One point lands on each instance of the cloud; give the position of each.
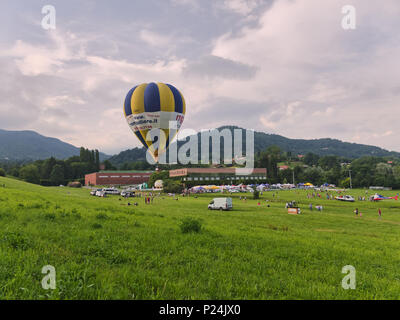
(302, 54)
(60, 90)
(33, 60)
(193, 4)
(62, 100)
(155, 39)
(213, 66)
(283, 66)
(242, 7)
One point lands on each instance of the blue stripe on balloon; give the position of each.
(167, 143)
(177, 98)
(140, 137)
(127, 104)
(152, 98)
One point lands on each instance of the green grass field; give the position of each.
(103, 249)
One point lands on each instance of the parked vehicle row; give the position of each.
(113, 191)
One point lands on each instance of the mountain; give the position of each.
(263, 140)
(30, 145)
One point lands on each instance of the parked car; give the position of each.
(111, 191)
(93, 192)
(127, 194)
(221, 204)
(101, 193)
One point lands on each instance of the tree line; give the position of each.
(54, 172)
(362, 172)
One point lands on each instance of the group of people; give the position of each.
(319, 208)
(148, 200)
(291, 204)
(313, 195)
(358, 213)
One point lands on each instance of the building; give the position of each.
(117, 178)
(192, 176)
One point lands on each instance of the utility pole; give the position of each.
(293, 176)
(351, 187)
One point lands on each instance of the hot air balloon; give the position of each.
(149, 108)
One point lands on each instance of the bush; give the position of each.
(190, 225)
(256, 194)
(2, 172)
(171, 186)
(15, 240)
(102, 216)
(158, 175)
(345, 183)
(50, 216)
(45, 182)
(75, 184)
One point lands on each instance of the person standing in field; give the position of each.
(380, 213)
(356, 212)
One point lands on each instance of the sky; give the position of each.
(278, 66)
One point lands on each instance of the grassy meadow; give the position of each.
(103, 249)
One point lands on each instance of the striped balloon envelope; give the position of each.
(155, 112)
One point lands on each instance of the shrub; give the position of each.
(136, 224)
(190, 225)
(171, 186)
(256, 194)
(15, 240)
(101, 216)
(50, 216)
(345, 183)
(2, 172)
(75, 184)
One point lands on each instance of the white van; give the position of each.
(100, 193)
(111, 191)
(220, 204)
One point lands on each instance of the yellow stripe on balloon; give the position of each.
(148, 142)
(167, 104)
(153, 151)
(137, 100)
(183, 103)
(167, 101)
(163, 144)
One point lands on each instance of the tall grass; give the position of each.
(105, 249)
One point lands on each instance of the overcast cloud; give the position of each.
(283, 66)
